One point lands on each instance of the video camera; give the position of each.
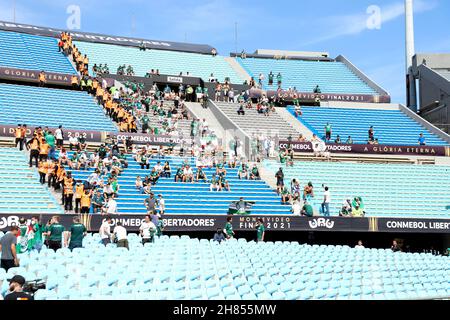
(33, 286)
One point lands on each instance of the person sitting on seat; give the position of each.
(243, 171)
(254, 174)
(188, 174)
(214, 183)
(240, 110)
(285, 196)
(307, 210)
(201, 175)
(346, 209)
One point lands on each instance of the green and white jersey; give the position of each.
(260, 232)
(229, 229)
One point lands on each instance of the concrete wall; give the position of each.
(434, 97)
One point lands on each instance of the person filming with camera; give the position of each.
(15, 290)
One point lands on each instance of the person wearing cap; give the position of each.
(16, 284)
(8, 248)
(98, 201)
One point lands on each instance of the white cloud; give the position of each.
(343, 25)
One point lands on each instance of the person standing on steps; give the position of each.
(34, 146)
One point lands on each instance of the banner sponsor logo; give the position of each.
(311, 97)
(33, 76)
(270, 222)
(368, 148)
(137, 138)
(175, 79)
(424, 225)
(321, 223)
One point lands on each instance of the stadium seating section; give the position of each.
(20, 190)
(25, 51)
(253, 122)
(168, 62)
(181, 268)
(36, 106)
(331, 77)
(394, 190)
(191, 198)
(391, 127)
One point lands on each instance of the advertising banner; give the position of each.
(371, 149)
(33, 76)
(90, 136)
(308, 97)
(108, 39)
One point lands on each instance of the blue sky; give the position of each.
(337, 27)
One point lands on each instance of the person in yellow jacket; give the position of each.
(42, 79)
(42, 168)
(18, 136)
(75, 82)
(79, 191)
(43, 150)
(51, 172)
(86, 201)
(68, 192)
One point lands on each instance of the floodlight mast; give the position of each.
(411, 92)
(410, 51)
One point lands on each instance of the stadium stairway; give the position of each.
(394, 190)
(20, 190)
(253, 122)
(168, 62)
(36, 106)
(332, 77)
(181, 268)
(391, 127)
(191, 198)
(25, 51)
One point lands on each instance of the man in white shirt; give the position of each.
(59, 137)
(296, 207)
(105, 231)
(326, 202)
(162, 204)
(147, 230)
(359, 245)
(120, 234)
(158, 167)
(188, 174)
(111, 206)
(73, 143)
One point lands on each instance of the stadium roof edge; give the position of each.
(108, 39)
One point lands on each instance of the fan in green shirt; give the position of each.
(76, 234)
(160, 227)
(307, 210)
(260, 230)
(38, 229)
(56, 231)
(282, 157)
(50, 139)
(228, 229)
